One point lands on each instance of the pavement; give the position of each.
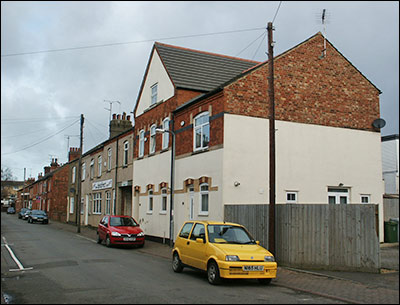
(347, 287)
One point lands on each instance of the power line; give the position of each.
(41, 141)
(277, 11)
(128, 42)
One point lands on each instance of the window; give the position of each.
(108, 203)
(154, 91)
(152, 139)
(73, 174)
(291, 197)
(91, 171)
(97, 203)
(165, 140)
(203, 199)
(83, 205)
(109, 154)
(150, 207)
(201, 131)
(338, 196)
(99, 160)
(186, 230)
(163, 201)
(71, 205)
(365, 199)
(198, 232)
(141, 143)
(126, 150)
(83, 171)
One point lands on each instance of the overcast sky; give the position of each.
(44, 93)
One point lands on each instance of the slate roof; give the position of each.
(197, 70)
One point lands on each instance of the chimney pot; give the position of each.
(128, 117)
(118, 116)
(114, 116)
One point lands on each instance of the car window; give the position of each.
(198, 232)
(186, 230)
(38, 212)
(228, 234)
(122, 222)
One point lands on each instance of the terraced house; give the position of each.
(327, 150)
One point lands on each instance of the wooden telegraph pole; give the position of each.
(79, 184)
(271, 95)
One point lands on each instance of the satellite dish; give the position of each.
(379, 123)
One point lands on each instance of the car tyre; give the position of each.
(99, 240)
(213, 273)
(108, 241)
(177, 265)
(265, 281)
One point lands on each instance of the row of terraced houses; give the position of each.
(327, 150)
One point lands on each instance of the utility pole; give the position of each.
(271, 95)
(23, 194)
(79, 184)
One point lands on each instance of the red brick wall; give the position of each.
(58, 195)
(328, 91)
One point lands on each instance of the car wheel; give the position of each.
(99, 240)
(176, 263)
(213, 273)
(265, 281)
(108, 241)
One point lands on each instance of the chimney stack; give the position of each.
(119, 124)
(73, 154)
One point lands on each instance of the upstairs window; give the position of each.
(154, 92)
(109, 155)
(99, 160)
(201, 131)
(141, 143)
(152, 139)
(165, 140)
(91, 169)
(83, 171)
(126, 150)
(73, 174)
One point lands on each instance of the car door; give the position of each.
(182, 240)
(103, 227)
(196, 251)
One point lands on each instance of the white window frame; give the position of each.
(83, 171)
(152, 144)
(164, 201)
(73, 174)
(91, 169)
(154, 94)
(108, 203)
(338, 193)
(367, 196)
(291, 193)
(201, 127)
(204, 193)
(97, 203)
(109, 158)
(141, 143)
(99, 161)
(150, 206)
(165, 140)
(126, 153)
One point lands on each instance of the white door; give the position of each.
(86, 210)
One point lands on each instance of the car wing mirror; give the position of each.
(200, 240)
(257, 242)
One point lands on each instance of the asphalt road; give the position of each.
(68, 268)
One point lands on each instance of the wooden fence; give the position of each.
(390, 208)
(316, 236)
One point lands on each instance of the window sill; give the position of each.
(203, 214)
(163, 212)
(149, 212)
(199, 151)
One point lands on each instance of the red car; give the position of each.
(120, 230)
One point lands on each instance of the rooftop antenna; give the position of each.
(324, 20)
(67, 136)
(110, 109)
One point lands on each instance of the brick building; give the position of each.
(326, 148)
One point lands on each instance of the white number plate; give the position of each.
(253, 268)
(130, 239)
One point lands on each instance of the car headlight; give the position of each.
(232, 258)
(33, 217)
(115, 234)
(140, 234)
(269, 259)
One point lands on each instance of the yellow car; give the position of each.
(224, 250)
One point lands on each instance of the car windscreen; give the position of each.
(38, 212)
(122, 222)
(228, 234)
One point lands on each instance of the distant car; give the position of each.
(120, 230)
(223, 250)
(38, 216)
(22, 213)
(11, 210)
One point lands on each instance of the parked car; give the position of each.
(120, 230)
(38, 216)
(11, 210)
(22, 213)
(224, 250)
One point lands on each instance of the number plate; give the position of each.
(253, 268)
(129, 238)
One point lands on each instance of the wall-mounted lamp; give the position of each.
(341, 184)
(236, 183)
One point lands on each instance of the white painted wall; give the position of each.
(156, 74)
(309, 159)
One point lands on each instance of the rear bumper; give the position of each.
(234, 270)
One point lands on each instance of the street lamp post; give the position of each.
(171, 219)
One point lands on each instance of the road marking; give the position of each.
(20, 266)
(89, 239)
